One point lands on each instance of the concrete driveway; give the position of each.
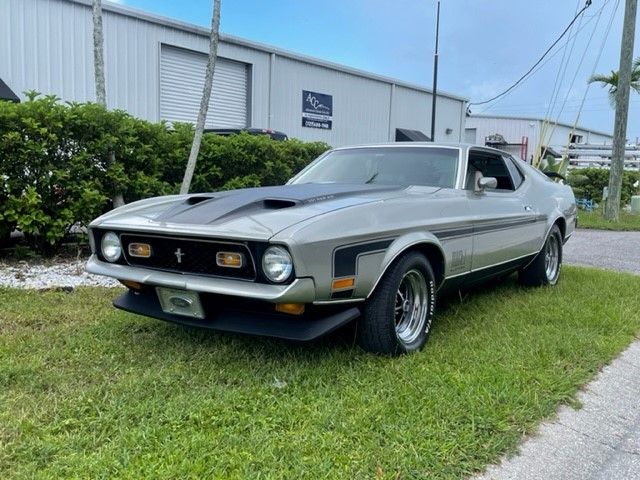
(601, 441)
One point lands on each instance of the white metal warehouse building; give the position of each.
(522, 134)
(155, 70)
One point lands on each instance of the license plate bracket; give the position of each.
(180, 302)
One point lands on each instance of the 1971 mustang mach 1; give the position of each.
(370, 234)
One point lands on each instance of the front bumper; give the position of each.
(301, 290)
(239, 319)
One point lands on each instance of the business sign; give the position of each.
(317, 110)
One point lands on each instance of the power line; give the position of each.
(587, 4)
(575, 76)
(550, 57)
(595, 66)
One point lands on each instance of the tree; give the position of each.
(98, 54)
(101, 91)
(206, 96)
(611, 80)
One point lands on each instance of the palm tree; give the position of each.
(206, 96)
(611, 81)
(101, 92)
(98, 53)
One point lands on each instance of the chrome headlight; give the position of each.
(277, 264)
(111, 247)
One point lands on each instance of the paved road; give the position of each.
(604, 249)
(600, 441)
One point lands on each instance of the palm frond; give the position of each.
(611, 79)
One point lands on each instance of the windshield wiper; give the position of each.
(373, 177)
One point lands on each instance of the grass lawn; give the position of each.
(87, 391)
(628, 221)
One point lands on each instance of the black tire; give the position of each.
(545, 268)
(383, 329)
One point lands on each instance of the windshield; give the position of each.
(428, 166)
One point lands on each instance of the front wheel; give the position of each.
(397, 317)
(545, 268)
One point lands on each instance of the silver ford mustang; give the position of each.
(371, 234)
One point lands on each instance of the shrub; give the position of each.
(46, 186)
(589, 183)
(61, 163)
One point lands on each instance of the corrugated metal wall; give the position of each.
(560, 136)
(46, 45)
(360, 106)
(513, 129)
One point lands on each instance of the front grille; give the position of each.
(188, 255)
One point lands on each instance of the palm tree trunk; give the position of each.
(206, 96)
(98, 53)
(101, 91)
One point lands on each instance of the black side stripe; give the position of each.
(462, 232)
(345, 258)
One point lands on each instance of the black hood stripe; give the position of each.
(211, 208)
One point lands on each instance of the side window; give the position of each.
(516, 174)
(487, 164)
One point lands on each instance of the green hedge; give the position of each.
(61, 163)
(589, 182)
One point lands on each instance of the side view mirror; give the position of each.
(486, 182)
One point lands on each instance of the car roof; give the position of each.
(465, 146)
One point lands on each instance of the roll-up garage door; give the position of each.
(182, 79)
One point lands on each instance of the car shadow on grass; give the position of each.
(455, 310)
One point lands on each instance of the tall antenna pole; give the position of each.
(435, 78)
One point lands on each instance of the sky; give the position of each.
(485, 46)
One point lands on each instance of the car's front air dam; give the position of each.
(276, 325)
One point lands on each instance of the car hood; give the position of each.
(253, 213)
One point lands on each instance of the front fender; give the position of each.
(400, 245)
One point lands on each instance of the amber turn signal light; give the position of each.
(140, 250)
(290, 308)
(131, 285)
(229, 259)
(341, 283)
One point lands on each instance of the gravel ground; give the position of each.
(64, 274)
(604, 249)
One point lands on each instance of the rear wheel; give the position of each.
(545, 268)
(397, 317)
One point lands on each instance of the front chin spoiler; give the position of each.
(282, 326)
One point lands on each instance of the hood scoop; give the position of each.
(197, 199)
(278, 203)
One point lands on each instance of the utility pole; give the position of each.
(435, 78)
(612, 205)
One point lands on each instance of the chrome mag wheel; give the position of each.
(411, 306)
(552, 258)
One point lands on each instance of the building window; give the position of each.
(575, 138)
